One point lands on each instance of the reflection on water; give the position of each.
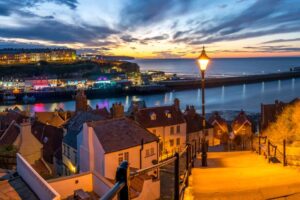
(246, 96)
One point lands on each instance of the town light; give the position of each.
(203, 60)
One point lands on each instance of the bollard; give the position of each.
(176, 178)
(122, 175)
(204, 154)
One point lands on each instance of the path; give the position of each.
(242, 175)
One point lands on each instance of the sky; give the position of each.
(155, 28)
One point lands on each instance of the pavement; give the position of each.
(242, 175)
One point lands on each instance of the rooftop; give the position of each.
(164, 116)
(121, 133)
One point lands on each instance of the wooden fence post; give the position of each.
(268, 156)
(284, 153)
(259, 148)
(176, 178)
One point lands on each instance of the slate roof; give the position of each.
(194, 123)
(54, 139)
(120, 133)
(10, 134)
(143, 116)
(74, 125)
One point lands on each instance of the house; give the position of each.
(51, 137)
(269, 112)
(194, 128)
(167, 123)
(220, 127)
(242, 130)
(73, 138)
(107, 143)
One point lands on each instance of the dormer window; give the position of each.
(168, 114)
(153, 116)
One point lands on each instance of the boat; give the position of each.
(9, 97)
(28, 99)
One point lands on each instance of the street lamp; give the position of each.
(202, 62)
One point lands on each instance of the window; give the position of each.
(120, 158)
(178, 141)
(68, 151)
(149, 152)
(171, 143)
(178, 129)
(172, 130)
(153, 116)
(168, 114)
(152, 151)
(64, 149)
(75, 157)
(126, 156)
(123, 157)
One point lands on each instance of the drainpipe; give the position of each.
(141, 150)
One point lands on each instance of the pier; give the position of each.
(223, 81)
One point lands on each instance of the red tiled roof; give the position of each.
(143, 116)
(121, 133)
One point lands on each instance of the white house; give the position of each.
(107, 143)
(167, 123)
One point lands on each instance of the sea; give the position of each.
(248, 97)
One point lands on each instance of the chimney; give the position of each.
(117, 110)
(80, 101)
(177, 104)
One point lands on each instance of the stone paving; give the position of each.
(242, 175)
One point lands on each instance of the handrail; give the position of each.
(113, 191)
(166, 162)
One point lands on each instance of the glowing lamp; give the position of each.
(203, 60)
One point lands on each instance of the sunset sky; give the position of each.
(155, 28)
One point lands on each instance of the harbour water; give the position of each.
(237, 97)
(247, 97)
(221, 66)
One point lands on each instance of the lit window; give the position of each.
(168, 114)
(153, 116)
(178, 141)
(120, 158)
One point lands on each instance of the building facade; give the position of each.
(26, 56)
(167, 123)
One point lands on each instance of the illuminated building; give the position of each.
(26, 56)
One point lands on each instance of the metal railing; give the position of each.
(121, 188)
(271, 151)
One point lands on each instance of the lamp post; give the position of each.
(202, 62)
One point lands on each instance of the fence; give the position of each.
(123, 176)
(270, 150)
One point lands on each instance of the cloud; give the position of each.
(281, 41)
(279, 48)
(52, 30)
(137, 12)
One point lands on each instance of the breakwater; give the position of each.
(224, 81)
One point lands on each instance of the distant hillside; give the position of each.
(83, 69)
